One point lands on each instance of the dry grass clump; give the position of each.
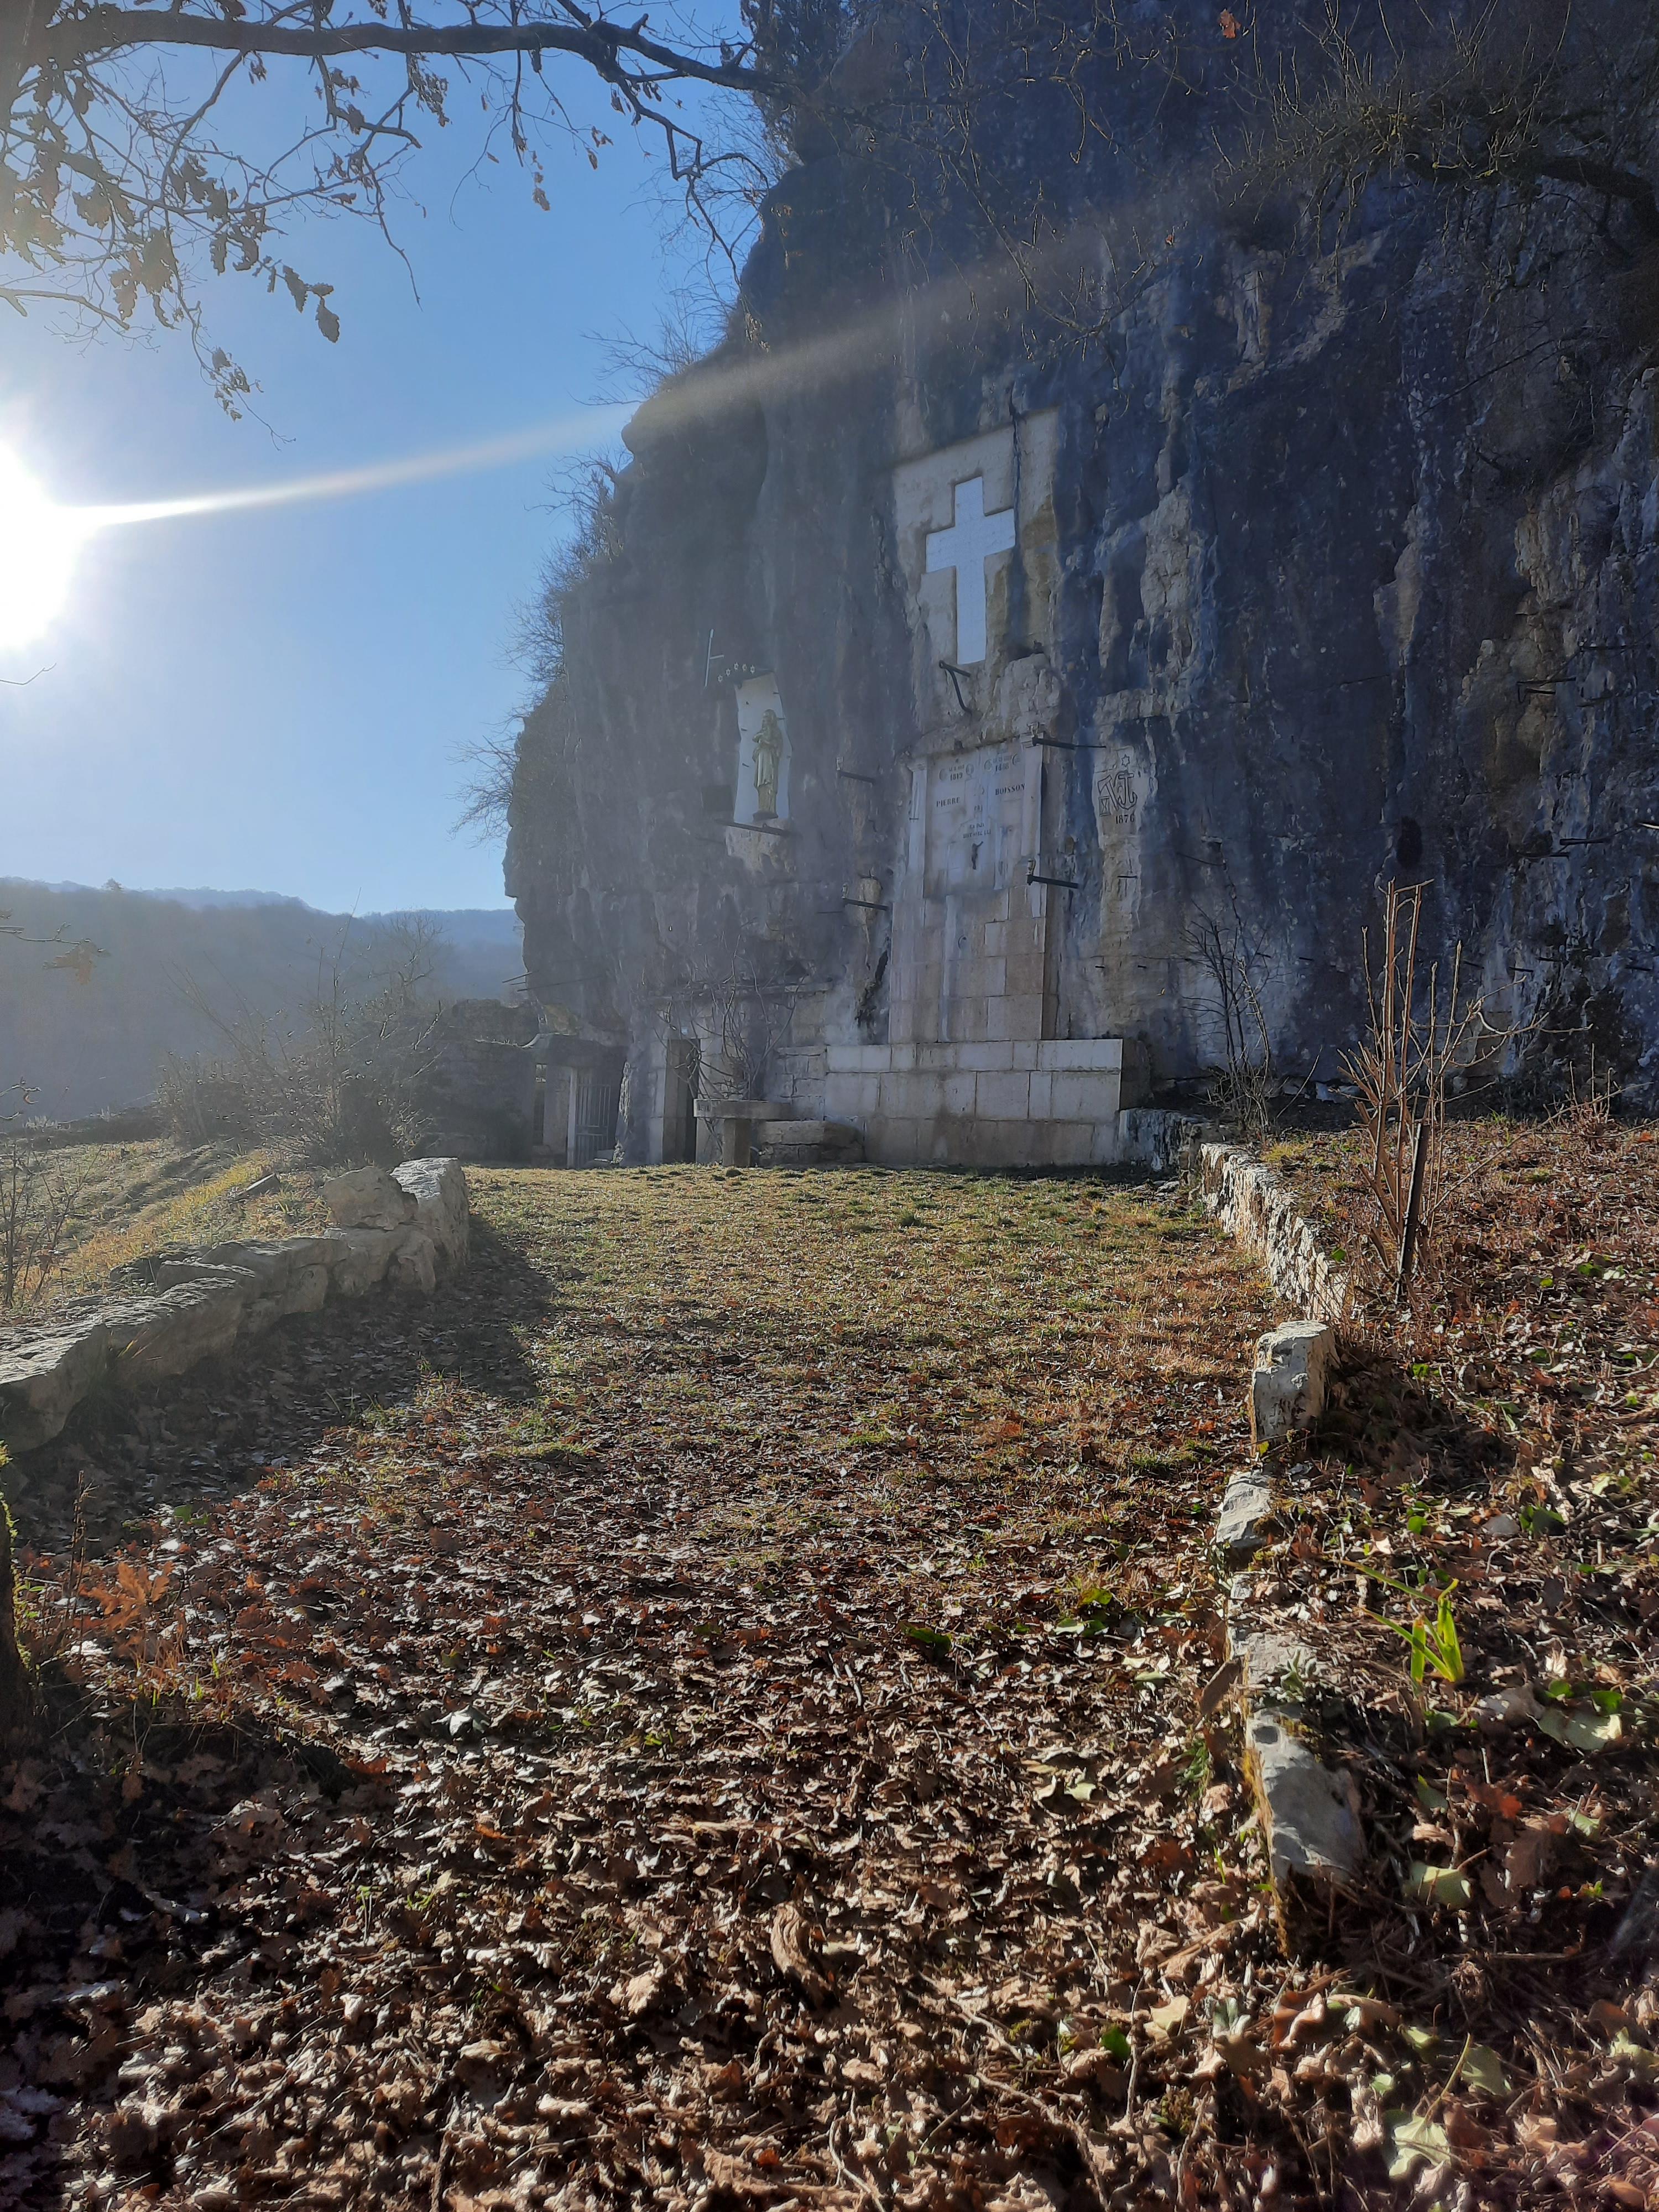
(131, 1199)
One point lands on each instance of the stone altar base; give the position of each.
(1056, 1103)
(809, 1144)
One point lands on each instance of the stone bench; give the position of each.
(810, 1144)
(737, 1118)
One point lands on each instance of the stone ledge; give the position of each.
(1309, 1812)
(160, 1316)
(1256, 1206)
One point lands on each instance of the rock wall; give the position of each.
(162, 1315)
(1347, 574)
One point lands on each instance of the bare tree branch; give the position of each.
(600, 44)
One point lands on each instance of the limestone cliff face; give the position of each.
(1344, 569)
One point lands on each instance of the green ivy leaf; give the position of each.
(1413, 2142)
(1442, 1886)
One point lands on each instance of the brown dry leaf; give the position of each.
(790, 1937)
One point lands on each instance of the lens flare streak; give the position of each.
(41, 541)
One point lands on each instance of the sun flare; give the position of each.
(39, 543)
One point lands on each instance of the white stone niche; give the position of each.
(963, 516)
(757, 698)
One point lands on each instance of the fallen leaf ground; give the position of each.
(722, 1707)
(754, 1756)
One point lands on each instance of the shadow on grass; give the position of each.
(147, 1911)
(1394, 1429)
(219, 1428)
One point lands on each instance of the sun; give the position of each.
(39, 543)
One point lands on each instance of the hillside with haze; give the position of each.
(85, 1035)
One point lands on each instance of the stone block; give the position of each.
(1270, 1661)
(1082, 1097)
(302, 1290)
(978, 1058)
(43, 1378)
(1080, 1055)
(442, 1209)
(1106, 1142)
(368, 1198)
(156, 1336)
(1246, 1517)
(892, 1137)
(361, 1257)
(1070, 1144)
(959, 1093)
(412, 1270)
(1041, 1098)
(1288, 1386)
(1003, 1097)
(810, 1144)
(1022, 1052)
(1309, 1821)
(1002, 1023)
(917, 1097)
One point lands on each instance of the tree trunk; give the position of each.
(16, 1693)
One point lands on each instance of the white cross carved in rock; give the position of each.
(972, 539)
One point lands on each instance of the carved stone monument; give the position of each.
(971, 1069)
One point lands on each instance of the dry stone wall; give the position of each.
(161, 1315)
(1256, 1206)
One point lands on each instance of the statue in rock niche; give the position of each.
(768, 759)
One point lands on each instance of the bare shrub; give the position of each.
(342, 1083)
(1422, 1030)
(40, 1204)
(1246, 1080)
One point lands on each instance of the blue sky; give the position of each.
(275, 699)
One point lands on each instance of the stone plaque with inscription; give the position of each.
(977, 819)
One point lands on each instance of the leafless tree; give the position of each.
(1247, 1082)
(140, 148)
(340, 1083)
(1422, 1030)
(1522, 96)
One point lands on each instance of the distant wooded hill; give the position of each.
(88, 1034)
